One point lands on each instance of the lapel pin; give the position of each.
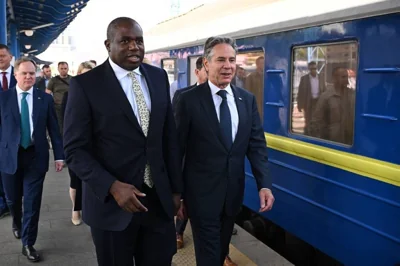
(39, 98)
(240, 98)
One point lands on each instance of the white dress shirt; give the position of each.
(126, 84)
(8, 75)
(29, 100)
(231, 104)
(314, 86)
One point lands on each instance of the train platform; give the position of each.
(61, 243)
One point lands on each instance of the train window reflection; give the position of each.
(170, 67)
(323, 91)
(250, 75)
(192, 67)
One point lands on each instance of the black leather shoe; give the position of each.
(31, 253)
(234, 231)
(16, 233)
(4, 213)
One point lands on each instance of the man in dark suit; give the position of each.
(201, 76)
(311, 86)
(218, 125)
(25, 114)
(120, 139)
(7, 80)
(42, 82)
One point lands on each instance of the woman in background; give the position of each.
(75, 190)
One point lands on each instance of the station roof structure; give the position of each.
(40, 22)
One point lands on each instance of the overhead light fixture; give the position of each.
(29, 33)
(43, 26)
(28, 46)
(76, 9)
(26, 54)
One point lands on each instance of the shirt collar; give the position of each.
(120, 73)
(215, 89)
(8, 70)
(20, 91)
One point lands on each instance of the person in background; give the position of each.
(57, 86)
(75, 190)
(42, 82)
(94, 63)
(7, 80)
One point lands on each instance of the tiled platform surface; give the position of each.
(62, 243)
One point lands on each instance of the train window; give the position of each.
(192, 67)
(170, 67)
(323, 91)
(250, 75)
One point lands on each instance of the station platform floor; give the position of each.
(61, 243)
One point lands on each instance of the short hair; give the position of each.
(3, 46)
(213, 41)
(199, 63)
(115, 24)
(45, 66)
(62, 63)
(82, 66)
(21, 60)
(312, 63)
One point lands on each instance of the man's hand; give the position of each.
(59, 166)
(266, 200)
(177, 202)
(182, 215)
(126, 197)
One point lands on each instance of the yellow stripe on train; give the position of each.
(361, 165)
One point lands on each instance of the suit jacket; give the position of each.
(104, 142)
(179, 92)
(213, 176)
(44, 117)
(41, 84)
(13, 81)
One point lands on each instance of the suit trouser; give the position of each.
(27, 182)
(180, 226)
(3, 202)
(211, 239)
(149, 239)
(76, 183)
(60, 118)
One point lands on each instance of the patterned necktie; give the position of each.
(25, 125)
(225, 121)
(144, 118)
(4, 82)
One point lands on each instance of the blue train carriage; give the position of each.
(333, 137)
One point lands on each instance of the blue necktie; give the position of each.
(225, 122)
(25, 126)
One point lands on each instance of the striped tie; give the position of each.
(144, 118)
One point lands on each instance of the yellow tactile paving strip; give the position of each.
(185, 256)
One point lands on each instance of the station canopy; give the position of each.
(40, 22)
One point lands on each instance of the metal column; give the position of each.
(14, 40)
(3, 21)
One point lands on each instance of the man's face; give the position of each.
(126, 49)
(5, 59)
(222, 65)
(47, 72)
(201, 75)
(25, 75)
(341, 78)
(313, 70)
(63, 70)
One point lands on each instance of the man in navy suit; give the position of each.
(218, 125)
(7, 80)
(120, 139)
(25, 114)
